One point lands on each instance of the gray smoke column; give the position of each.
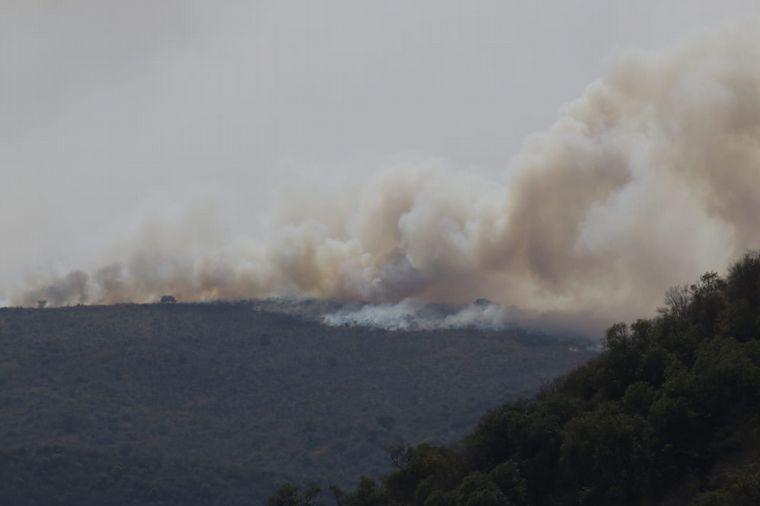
(651, 177)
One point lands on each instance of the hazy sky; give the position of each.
(111, 112)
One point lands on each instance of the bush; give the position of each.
(652, 419)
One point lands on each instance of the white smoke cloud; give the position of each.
(412, 314)
(648, 179)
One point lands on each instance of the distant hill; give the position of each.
(668, 414)
(220, 403)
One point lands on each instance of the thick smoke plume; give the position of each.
(651, 177)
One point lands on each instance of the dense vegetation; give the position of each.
(219, 403)
(668, 414)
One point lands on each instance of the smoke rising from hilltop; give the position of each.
(649, 178)
(410, 314)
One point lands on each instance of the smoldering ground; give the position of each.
(649, 178)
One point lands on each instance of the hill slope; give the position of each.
(217, 403)
(668, 414)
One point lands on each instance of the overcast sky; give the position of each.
(114, 111)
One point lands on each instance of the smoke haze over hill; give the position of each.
(658, 158)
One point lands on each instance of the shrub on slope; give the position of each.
(668, 414)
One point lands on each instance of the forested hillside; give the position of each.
(669, 413)
(219, 403)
